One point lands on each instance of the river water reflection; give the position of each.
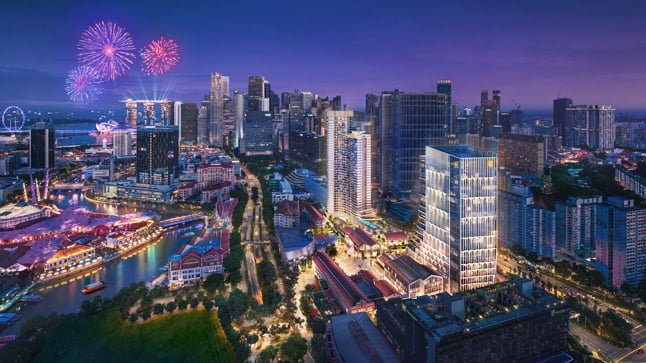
(66, 296)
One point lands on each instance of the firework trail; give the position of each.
(107, 48)
(159, 56)
(83, 85)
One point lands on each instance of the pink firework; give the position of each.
(83, 85)
(159, 56)
(107, 48)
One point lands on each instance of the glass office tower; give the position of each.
(157, 155)
(458, 239)
(408, 122)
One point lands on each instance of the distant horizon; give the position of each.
(532, 52)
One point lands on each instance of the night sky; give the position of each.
(591, 51)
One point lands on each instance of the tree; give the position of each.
(181, 305)
(208, 304)
(213, 283)
(293, 349)
(238, 303)
(133, 318)
(234, 278)
(145, 314)
(319, 349)
(171, 306)
(158, 309)
(194, 302)
(266, 355)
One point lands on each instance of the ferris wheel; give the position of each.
(13, 118)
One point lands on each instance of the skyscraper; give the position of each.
(157, 155)
(590, 126)
(188, 123)
(203, 122)
(372, 105)
(257, 138)
(408, 122)
(444, 87)
(559, 115)
(42, 146)
(122, 142)
(131, 113)
(219, 90)
(284, 100)
(258, 94)
(240, 103)
(349, 167)
(458, 236)
(575, 223)
(621, 240)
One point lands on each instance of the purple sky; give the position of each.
(591, 51)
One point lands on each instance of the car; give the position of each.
(640, 351)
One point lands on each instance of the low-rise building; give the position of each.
(287, 214)
(512, 321)
(361, 243)
(294, 245)
(395, 239)
(410, 277)
(314, 215)
(69, 256)
(347, 295)
(353, 338)
(195, 262)
(11, 215)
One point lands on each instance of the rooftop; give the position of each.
(358, 340)
(407, 269)
(482, 308)
(464, 151)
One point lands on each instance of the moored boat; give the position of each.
(92, 287)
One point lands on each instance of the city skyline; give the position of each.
(533, 52)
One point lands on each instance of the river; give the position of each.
(66, 296)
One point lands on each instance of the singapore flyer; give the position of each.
(13, 118)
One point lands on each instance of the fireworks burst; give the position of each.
(83, 85)
(107, 48)
(159, 56)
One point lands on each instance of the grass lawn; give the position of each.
(193, 336)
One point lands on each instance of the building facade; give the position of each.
(407, 123)
(257, 138)
(349, 167)
(523, 153)
(219, 90)
(575, 224)
(458, 239)
(122, 142)
(621, 240)
(157, 155)
(520, 323)
(42, 146)
(590, 126)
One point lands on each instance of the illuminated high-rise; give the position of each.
(458, 236)
(203, 122)
(42, 146)
(408, 122)
(131, 113)
(258, 94)
(122, 142)
(219, 90)
(157, 155)
(590, 126)
(240, 104)
(349, 167)
(186, 117)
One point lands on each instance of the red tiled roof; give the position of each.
(395, 236)
(386, 288)
(360, 237)
(345, 289)
(316, 214)
(288, 208)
